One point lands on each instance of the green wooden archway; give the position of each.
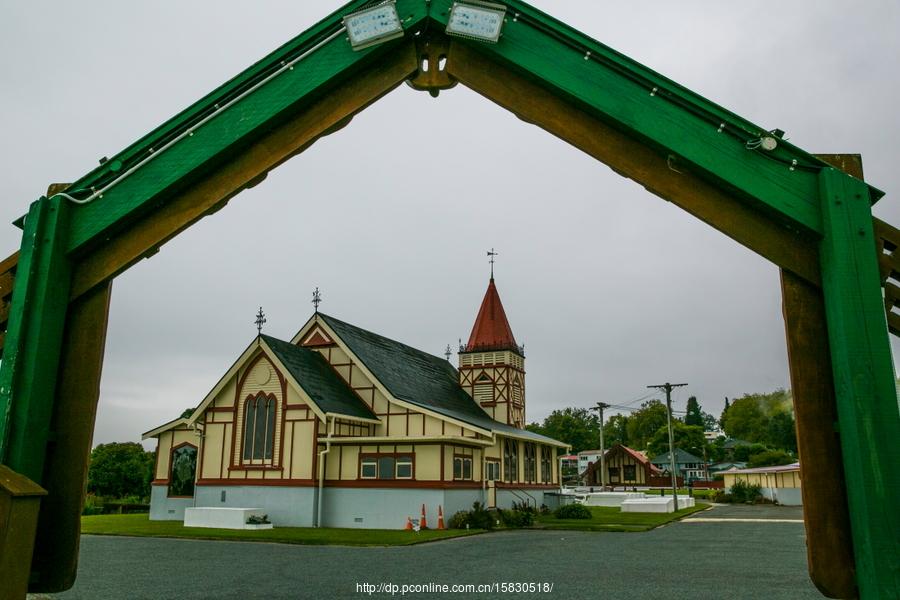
(811, 218)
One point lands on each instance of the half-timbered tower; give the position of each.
(492, 364)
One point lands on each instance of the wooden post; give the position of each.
(829, 547)
(20, 499)
(65, 473)
(865, 388)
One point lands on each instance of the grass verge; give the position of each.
(142, 526)
(612, 519)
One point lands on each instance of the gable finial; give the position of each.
(317, 299)
(260, 320)
(448, 352)
(491, 254)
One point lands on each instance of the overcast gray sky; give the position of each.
(610, 288)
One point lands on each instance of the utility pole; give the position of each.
(668, 387)
(600, 406)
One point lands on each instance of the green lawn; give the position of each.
(698, 493)
(612, 519)
(142, 526)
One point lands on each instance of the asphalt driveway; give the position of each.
(729, 558)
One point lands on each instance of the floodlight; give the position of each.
(476, 20)
(373, 25)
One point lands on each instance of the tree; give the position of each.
(744, 453)
(120, 469)
(187, 412)
(763, 418)
(694, 416)
(709, 422)
(644, 422)
(687, 437)
(578, 427)
(615, 431)
(770, 458)
(724, 412)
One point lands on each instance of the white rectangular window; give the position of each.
(492, 470)
(404, 467)
(369, 468)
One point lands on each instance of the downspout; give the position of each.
(202, 434)
(322, 454)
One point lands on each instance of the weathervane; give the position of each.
(492, 254)
(317, 299)
(260, 320)
(448, 352)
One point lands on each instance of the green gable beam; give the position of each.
(696, 134)
(328, 60)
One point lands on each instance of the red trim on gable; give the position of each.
(316, 339)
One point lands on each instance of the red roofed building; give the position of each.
(492, 364)
(624, 466)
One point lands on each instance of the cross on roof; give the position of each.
(317, 299)
(260, 320)
(492, 254)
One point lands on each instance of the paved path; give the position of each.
(712, 560)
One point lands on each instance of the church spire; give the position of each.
(491, 330)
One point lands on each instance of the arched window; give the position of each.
(183, 469)
(510, 460)
(530, 463)
(546, 464)
(259, 427)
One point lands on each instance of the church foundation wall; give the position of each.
(163, 508)
(285, 506)
(389, 508)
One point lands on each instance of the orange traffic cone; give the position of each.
(440, 517)
(422, 523)
(408, 524)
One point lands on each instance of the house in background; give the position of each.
(687, 466)
(624, 467)
(585, 458)
(779, 484)
(343, 427)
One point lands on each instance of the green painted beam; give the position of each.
(869, 420)
(232, 128)
(684, 126)
(34, 338)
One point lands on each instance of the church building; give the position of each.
(343, 427)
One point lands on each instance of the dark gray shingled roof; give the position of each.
(319, 380)
(419, 378)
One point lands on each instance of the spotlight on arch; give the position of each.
(373, 25)
(476, 20)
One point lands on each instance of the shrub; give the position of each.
(573, 511)
(721, 496)
(92, 505)
(742, 491)
(477, 518)
(517, 518)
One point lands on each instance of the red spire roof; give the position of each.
(491, 330)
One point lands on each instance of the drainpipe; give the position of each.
(201, 433)
(322, 454)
